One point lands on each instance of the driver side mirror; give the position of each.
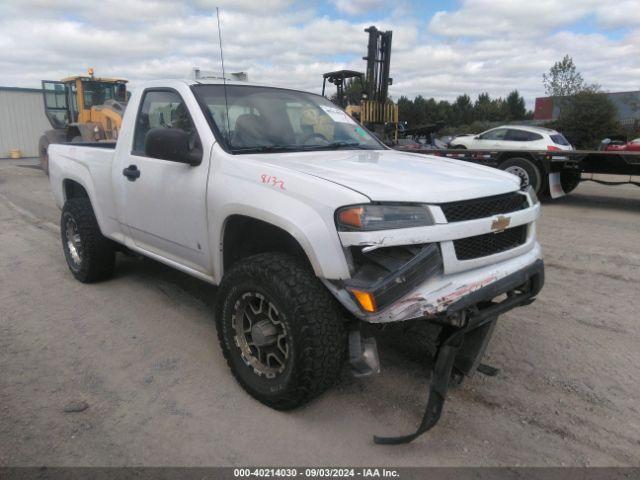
(171, 144)
(477, 137)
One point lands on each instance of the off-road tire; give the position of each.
(314, 324)
(98, 253)
(43, 144)
(532, 172)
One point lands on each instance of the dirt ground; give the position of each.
(141, 351)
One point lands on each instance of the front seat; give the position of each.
(251, 131)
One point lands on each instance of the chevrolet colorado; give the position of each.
(310, 226)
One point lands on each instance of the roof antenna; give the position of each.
(224, 78)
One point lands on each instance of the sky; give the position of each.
(440, 48)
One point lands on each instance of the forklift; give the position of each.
(82, 109)
(374, 109)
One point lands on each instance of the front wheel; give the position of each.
(527, 171)
(280, 330)
(90, 256)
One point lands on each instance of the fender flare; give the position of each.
(285, 224)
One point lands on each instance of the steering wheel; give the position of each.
(311, 136)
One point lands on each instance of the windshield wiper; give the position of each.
(265, 148)
(337, 146)
(301, 148)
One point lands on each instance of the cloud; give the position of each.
(358, 7)
(477, 45)
(490, 18)
(245, 5)
(625, 14)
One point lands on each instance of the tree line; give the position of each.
(463, 111)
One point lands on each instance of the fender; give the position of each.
(303, 205)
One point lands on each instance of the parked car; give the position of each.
(632, 146)
(310, 226)
(511, 137)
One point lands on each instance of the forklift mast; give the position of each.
(374, 109)
(378, 62)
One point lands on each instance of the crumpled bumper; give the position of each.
(444, 296)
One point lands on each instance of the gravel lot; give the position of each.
(141, 351)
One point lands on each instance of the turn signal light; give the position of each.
(366, 300)
(351, 216)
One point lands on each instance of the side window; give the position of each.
(522, 136)
(163, 109)
(497, 134)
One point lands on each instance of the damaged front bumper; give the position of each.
(461, 275)
(442, 296)
(462, 346)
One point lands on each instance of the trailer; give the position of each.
(553, 173)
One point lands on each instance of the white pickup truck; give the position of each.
(310, 226)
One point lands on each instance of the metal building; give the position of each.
(627, 106)
(22, 120)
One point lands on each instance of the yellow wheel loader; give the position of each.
(82, 109)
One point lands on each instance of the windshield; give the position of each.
(96, 93)
(265, 119)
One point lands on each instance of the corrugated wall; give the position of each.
(22, 121)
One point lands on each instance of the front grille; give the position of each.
(490, 243)
(484, 207)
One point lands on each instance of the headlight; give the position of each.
(532, 194)
(370, 217)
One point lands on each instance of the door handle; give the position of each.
(131, 172)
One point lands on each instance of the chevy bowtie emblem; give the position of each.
(500, 223)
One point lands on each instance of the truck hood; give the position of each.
(389, 175)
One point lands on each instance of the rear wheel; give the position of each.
(526, 170)
(90, 256)
(43, 145)
(280, 330)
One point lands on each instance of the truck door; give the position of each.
(164, 199)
